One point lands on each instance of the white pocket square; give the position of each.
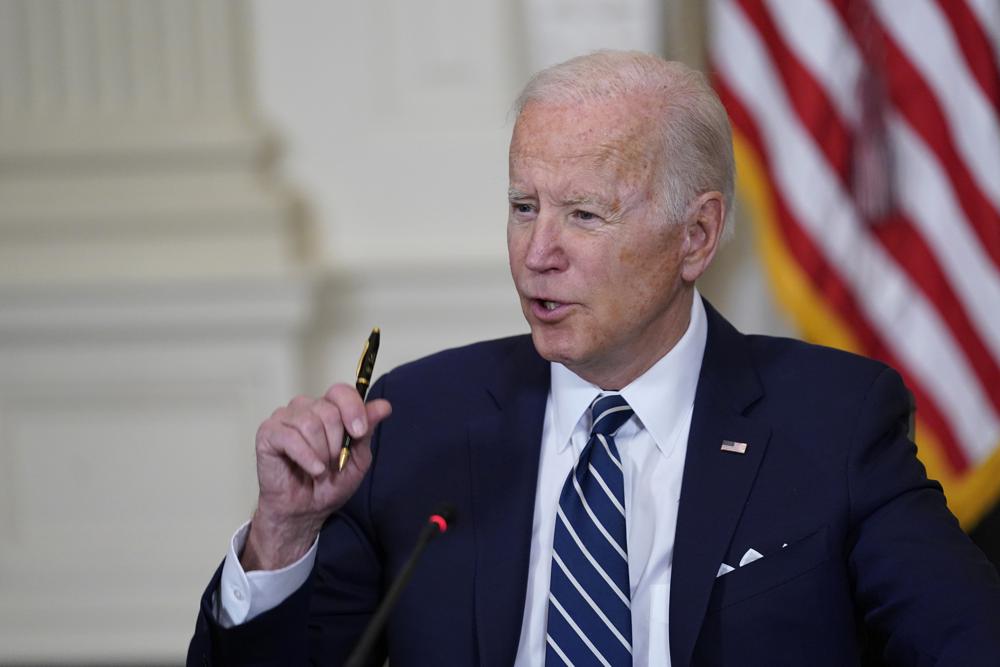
(750, 556)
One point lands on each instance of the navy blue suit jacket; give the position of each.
(875, 565)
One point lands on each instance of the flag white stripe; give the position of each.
(809, 186)
(926, 197)
(579, 632)
(883, 291)
(597, 566)
(830, 54)
(826, 49)
(611, 496)
(559, 651)
(597, 522)
(590, 601)
(929, 44)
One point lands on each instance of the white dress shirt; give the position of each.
(652, 445)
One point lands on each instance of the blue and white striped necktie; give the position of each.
(590, 619)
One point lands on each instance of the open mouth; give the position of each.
(548, 310)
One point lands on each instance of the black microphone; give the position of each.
(437, 524)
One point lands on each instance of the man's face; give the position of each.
(597, 265)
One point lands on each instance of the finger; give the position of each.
(377, 409)
(300, 402)
(333, 424)
(287, 441)
(361, 456)
(351, 407)
(310, 426)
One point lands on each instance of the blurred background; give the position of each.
(206, 205)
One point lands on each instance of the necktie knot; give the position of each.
(608, 413)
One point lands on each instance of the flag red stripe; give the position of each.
(909, 249)
(980, 54)
(829, 284)
(901, 239)
(809, 99)
(916, 101)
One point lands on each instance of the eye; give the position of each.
(522, 210)
(585, 216)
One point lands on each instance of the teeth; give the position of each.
(549, 305)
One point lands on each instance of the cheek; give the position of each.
(515, 247)
(635, 277)
(626, 257)
(643, 275)
(614, 279)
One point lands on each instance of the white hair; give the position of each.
(694, 126)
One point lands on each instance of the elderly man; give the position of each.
(637, 483)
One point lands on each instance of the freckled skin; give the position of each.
(588, 234)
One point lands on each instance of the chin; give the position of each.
(553, 346)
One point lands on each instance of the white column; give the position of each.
(128, 144)
(152, 307)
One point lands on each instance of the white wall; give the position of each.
(394, 119)
(159, 294)
(394, 122)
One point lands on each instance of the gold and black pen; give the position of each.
(365, 367)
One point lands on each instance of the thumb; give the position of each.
(361, 454)
(377, 410)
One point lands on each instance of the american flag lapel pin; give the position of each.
(734, 447)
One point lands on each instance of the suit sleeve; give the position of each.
(927, 593)
(321, 622)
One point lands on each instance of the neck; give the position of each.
(618, 373)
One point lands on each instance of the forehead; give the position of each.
(617, 137)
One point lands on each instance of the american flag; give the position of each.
(867, 138)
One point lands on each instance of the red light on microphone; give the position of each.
(440, 521)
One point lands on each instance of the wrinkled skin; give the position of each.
(298, 448)
(587, 233)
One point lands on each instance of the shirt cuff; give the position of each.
(244, 596)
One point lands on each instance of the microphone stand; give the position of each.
(436, 525)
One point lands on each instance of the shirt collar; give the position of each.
(660, 397)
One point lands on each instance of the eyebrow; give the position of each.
(586, 200)
(514, 194)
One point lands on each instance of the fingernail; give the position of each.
(318, 469)
(358, 426)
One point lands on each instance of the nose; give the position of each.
(545, 245)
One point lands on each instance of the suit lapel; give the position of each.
(716, 483)
(504, 448)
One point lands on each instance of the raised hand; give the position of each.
(298, 447)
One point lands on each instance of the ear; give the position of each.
(703, 230)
